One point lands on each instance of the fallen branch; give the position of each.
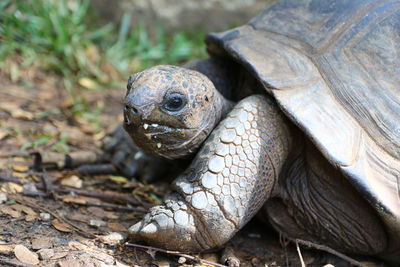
(329, 250)
(177, 253)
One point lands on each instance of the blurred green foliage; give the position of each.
(59, 36)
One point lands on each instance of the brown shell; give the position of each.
(334, 68)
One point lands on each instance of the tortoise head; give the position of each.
(169, 110)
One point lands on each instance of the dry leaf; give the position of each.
(61, 226)
(88, 83)
(9, 211)
(25, 255)
(12, 188)
(119, 179)
(72, 199)
(25, 209)
(77, 246)
(16, 111)
(20, 168)
(59, 255)
(72, 181)
(97, 211)
(6, 248)
(31, 218)
(3, 133)
(70, 263)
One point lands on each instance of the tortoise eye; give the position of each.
(174, 102)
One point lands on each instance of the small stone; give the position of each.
(3, 197)
(45, 253)
(30, 187)
(45, 216)
(97, 223)
(181, 260)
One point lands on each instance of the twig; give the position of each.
(329, 250)
(102, 205)
(177, 253)
(300, 256)
(104, 196)
(8, 262)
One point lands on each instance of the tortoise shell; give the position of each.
(334, 69)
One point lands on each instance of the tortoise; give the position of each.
(295, 115)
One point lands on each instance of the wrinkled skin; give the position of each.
(175, 119)
(255, 159)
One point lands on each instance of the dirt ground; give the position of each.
(58, 217)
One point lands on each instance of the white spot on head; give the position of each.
(145, 126)
(158, 145)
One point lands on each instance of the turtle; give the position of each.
(294, 116)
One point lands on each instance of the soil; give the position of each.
(58, 217)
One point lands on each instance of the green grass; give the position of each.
(59, 36)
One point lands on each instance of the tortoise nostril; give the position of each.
(134, 110)
(130, 109)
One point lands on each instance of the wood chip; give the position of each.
(61, 226)
(24, 255)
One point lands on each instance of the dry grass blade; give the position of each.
(300, 256)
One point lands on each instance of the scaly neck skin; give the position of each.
(229, 180)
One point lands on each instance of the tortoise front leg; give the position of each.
(231, 177)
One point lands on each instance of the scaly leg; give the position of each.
(232, 176)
